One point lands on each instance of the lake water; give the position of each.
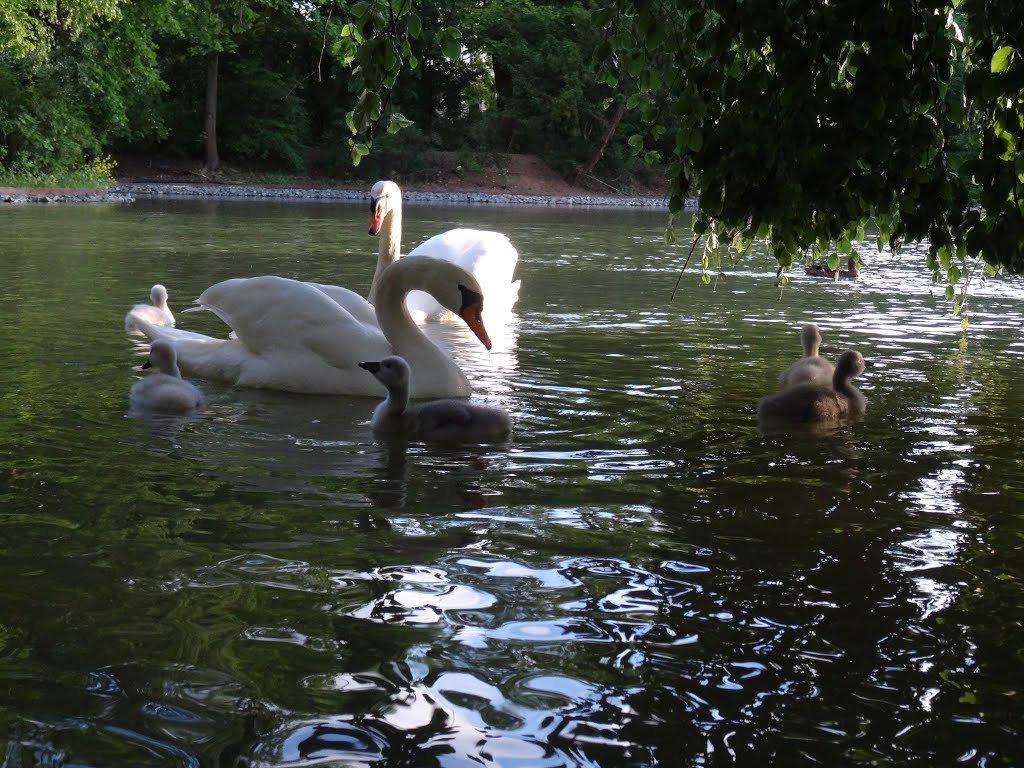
(639, 577)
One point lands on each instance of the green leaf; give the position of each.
(358, 152)
(415, 25)
(450, 45)
(1001, 59)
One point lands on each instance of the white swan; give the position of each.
(815, 403)
(166, 390)
(443, 420)
(158, 313)
(488, 256)
(290, 335)
(809, 369)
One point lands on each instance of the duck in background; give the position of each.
(435, 420)
(852, 271)
(817, 403)
(811, 368)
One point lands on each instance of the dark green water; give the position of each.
(639, 578)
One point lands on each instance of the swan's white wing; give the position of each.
(489, 256)
(270, 312)
(478, 251)
(356, 305)
(289, 335)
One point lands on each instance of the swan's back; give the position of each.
(810, 369)
(458, 421)
(160, 392)
(489, 256)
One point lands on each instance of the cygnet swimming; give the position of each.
(813, 403)
(156, 314)
(809, 369)
(438, 420)
(166, 390)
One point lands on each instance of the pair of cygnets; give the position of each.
(812, 390)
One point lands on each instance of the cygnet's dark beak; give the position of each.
(146, 364)
(869, 363)
(371, 367)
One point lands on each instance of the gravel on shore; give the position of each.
(127, 193)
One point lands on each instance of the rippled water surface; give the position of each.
(639, 577)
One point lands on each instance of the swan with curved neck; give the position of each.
(291, 336)
(816, 403)
(488, 256)
(811, 368)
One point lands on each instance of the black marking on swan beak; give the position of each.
(469, 298)
(371, 367)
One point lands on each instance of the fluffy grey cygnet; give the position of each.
(440, 420)
(157, 313)
(813, 403)
(809, 369)
(166, 390)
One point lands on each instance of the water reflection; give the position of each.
(639, 577)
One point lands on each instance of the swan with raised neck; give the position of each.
(489, 256)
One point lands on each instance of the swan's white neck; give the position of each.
(389, 249)
(427, 361)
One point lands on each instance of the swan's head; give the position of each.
(392, 371)
(385, 196)
(158, 295)
(162, 356)
(454, 288)
(850, 365)
(810, 337)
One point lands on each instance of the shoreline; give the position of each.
(128, 192)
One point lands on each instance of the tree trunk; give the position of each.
(212, 156)
(506, 124)
(613, 124)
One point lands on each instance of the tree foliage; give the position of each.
(798, 124)
(801, 125)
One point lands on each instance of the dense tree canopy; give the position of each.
(798, 124)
